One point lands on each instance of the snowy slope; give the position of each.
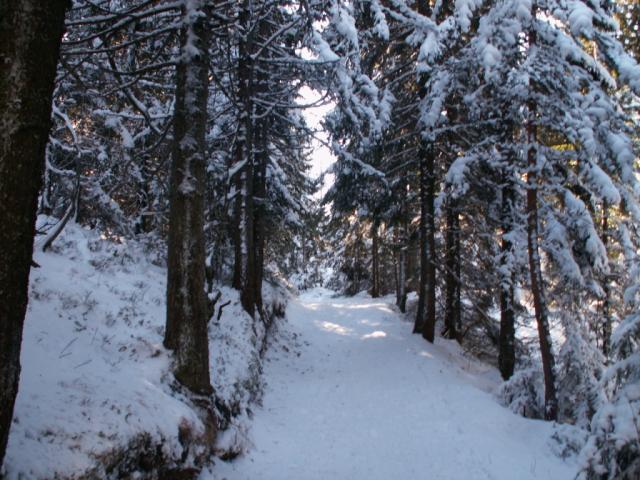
(363, 398)
(96, 389)
(94, 372)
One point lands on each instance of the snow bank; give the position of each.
(97, 398)
(237, 344)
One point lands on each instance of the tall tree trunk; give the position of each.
(606, 302)
(401, 270)
(535, 270)
(30, 34)
(452, 314)
(356, 267)
(506, 355)
(452, 268)
(375, 260)
(261, 159)
(426, 315)
(260, 211)
(425, 152)
(186, 330)
(244, 278)
(428, 332)
(246, 245)
(458, 297)
(422, 246)
(241, 157)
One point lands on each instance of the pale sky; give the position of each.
(321, 157)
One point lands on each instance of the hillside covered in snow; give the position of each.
(97, 398)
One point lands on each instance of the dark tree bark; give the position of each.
(426, 315)
(452, 273)
(422, 247)
(428, 331)
(458, 295)
(243, 223)
(401, 269)
(375, 260)
(186, 329)
(606, 301)
(30, 34)
(537, 285)
(260, 212)
(506, 355)
(356, 266)
(452, 288)
(260, 161)
(244, 277)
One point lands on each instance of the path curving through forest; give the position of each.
(363, 398)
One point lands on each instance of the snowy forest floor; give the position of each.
(97, 399)
(361, 397)
(350, 393)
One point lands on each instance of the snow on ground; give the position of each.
(93, 365)
(363, 398)
(95, 376)
(351, 394)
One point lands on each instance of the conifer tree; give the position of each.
(187, 318)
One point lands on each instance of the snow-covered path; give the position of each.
(366, 399)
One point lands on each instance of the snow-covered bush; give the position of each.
(568, 440)
(613, 448)
(579, 368)
(612, 451)
(523, 393)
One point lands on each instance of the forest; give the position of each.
(172, 264)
